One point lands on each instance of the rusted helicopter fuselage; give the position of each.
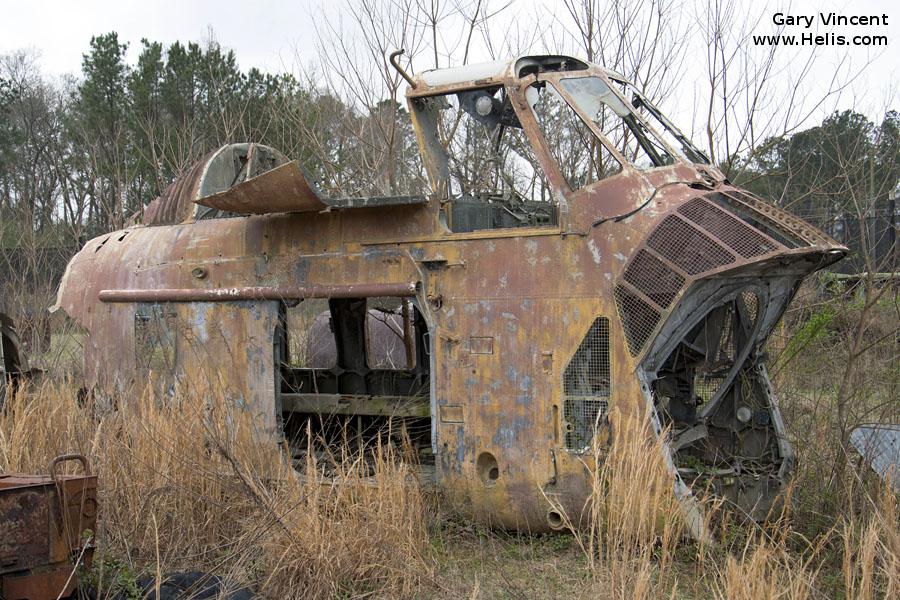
(588, 262)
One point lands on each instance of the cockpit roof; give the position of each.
(496, 71)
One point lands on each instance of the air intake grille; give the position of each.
(742, 239)
(586, 387)
(653, 278)
(760, 216)
(751, 305)
(639, 319)
(687, 247)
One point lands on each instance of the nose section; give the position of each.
(697, 301)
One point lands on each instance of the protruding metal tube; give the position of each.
(362, 290)
(401, 70)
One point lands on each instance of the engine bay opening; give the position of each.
(713, 395)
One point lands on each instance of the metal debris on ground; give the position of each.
(879, 445)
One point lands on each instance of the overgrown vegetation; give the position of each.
(185, 483)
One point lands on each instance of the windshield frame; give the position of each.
(555, 80)
(676, 133)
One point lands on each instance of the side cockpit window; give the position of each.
(155, 338)
(489, 172)
(661, 125)
(617, 122)
(581, 156)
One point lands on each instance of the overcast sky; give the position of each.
(263, 33)
(271, 34)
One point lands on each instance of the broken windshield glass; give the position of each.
(617, 122)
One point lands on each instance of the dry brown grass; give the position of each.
(635, 545)
(187, 484)
(635, 523)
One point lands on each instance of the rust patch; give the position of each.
(45, 520)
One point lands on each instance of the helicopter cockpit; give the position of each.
(505, 154)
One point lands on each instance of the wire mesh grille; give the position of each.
(726, 342)
(639, 319)
(586, 387)
(706, 386)
(795, 225)
(687, 247)
(741, 238)
(751, 305)
(753, 214)
(653, 278)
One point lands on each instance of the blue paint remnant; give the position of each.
(261, 267)
(300, 270)
(460, 446)
(505, 437)
(525, 384)
(485, 399)
(471, 382)
(509, 431)
(370, 252)
(199, 321)
(511, 373)
(523, 399)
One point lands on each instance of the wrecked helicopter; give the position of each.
(576, 257)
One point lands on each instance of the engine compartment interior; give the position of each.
(713, 394)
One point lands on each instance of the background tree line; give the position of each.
(81, 158)
(78, 157)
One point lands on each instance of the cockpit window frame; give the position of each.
(515, 87)
(555, 80)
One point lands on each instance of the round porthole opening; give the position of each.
(555, 520)
(488, 469)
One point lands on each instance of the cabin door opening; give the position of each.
(354, 372)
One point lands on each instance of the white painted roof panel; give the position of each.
(455, 75)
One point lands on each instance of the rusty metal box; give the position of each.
(46, 528)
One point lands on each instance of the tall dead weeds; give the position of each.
(186, 482)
